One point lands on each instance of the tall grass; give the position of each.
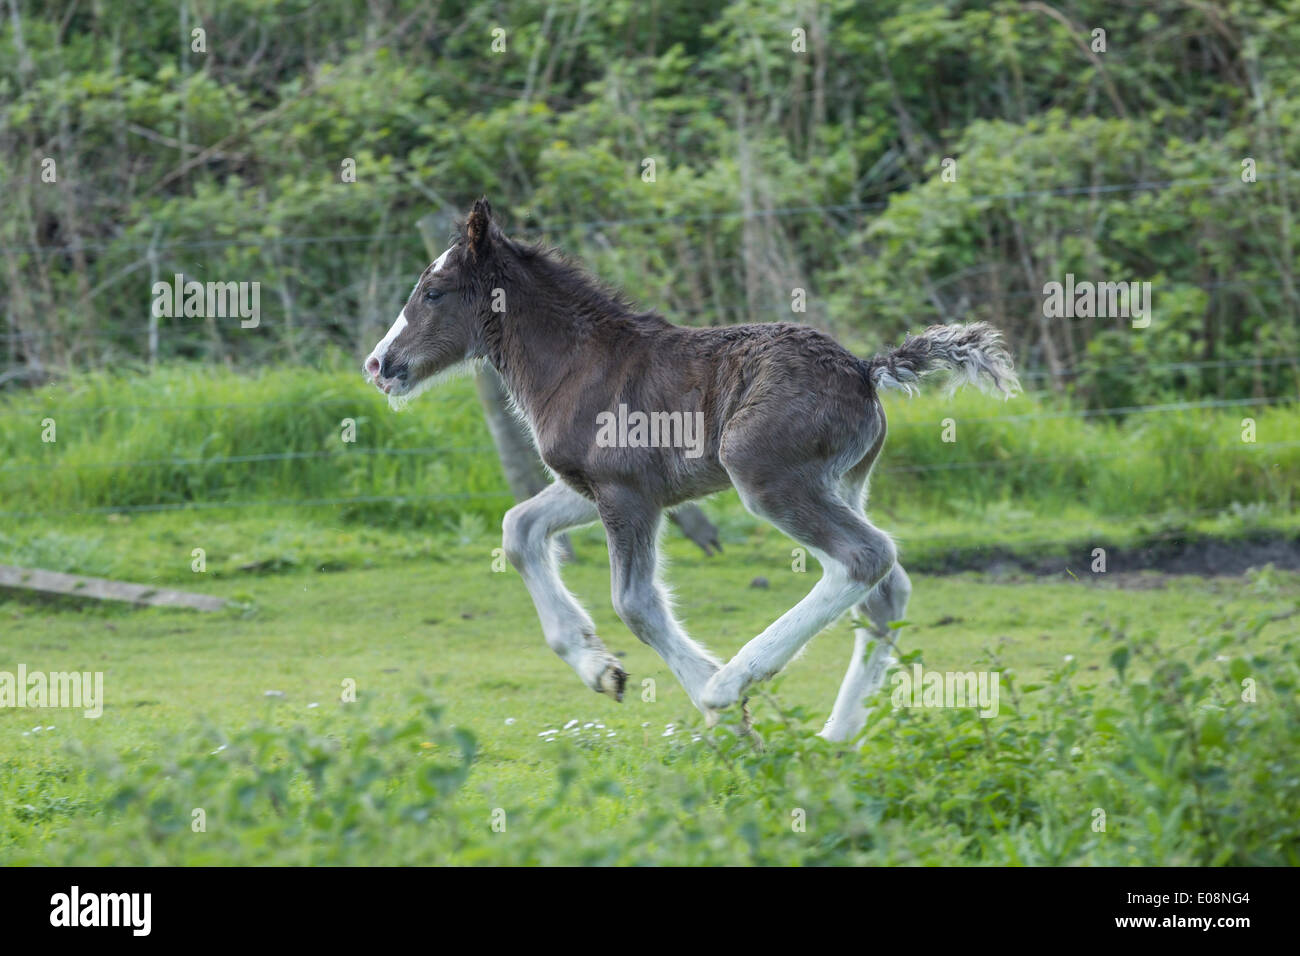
(1024, 451)
(165, 440)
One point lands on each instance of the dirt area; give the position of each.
(1198, 555)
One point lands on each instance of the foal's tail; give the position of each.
(973, 354)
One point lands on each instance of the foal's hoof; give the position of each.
(612, 681)
(714, 717)
(742, 728)
(725, 688)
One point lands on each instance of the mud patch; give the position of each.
(1201, 555)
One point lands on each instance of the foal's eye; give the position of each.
(432, 295)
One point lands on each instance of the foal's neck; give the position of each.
(557, 324)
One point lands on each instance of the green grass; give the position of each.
(146, 468)
(454, 685)
(118, 440)
(1122, 693)
(159, 549)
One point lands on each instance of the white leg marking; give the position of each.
(568, 628)
(865, 676)
(645, 611)
(766, 654)
(887, 602)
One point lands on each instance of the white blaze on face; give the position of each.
(375, 360)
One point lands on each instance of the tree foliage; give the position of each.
(795, 146)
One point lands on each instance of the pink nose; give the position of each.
(372, 366)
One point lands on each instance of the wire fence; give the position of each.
(411, 239)
(286, 325)
(1124, 410)
(219, 460)
(1094, 189)
(773, 308)
(1127, 410)
(260, 503)
(252, 459)
(1083, 459)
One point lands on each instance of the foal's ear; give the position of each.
(478, 225)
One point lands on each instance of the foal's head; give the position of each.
(443, 322)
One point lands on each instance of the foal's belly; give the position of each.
(666, 477)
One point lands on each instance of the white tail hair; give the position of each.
(972, 354)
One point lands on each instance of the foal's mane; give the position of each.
(590, 298)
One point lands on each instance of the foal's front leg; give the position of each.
(631, 527)
(528, 530)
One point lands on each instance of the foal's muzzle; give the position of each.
(391, 370)
(386, 373)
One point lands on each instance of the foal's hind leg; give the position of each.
(527, 535)
(887, 602)
(854, 555)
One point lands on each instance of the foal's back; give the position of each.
(785, 390)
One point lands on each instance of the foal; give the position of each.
(780, 411)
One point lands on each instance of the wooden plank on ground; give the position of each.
(102, 589)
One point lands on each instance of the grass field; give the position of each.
(1143, 719)
(239, 714)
